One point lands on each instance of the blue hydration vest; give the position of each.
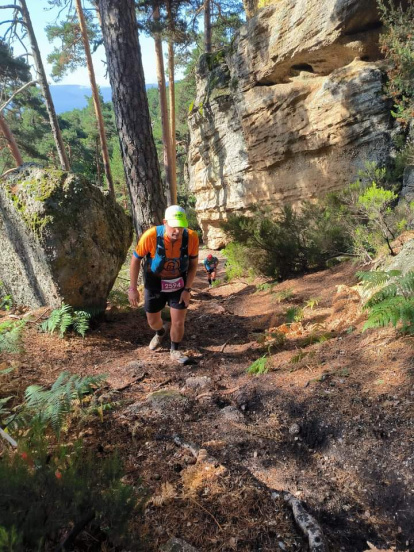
(157, 263)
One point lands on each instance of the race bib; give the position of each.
(172, 285)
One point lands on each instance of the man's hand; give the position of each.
(185, 297)
(133, 297)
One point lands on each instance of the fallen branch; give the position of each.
(39, 317)
(307, 523)
(136, 380)
(207, 512)
(227, 342)
(230, 391)
(203, 395)
(163, 383)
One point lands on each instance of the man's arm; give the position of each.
(134, 268)
(192, 269)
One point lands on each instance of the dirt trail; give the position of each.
(331, 421)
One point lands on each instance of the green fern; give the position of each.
(393, 304)
(294, 314)
(62, 319)
(259, 366)
(81, 322)
(11, 336)
(52, 406)
(376, 278)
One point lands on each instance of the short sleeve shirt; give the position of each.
(210, 264)
(148, 244)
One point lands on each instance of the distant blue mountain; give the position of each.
(73, 96)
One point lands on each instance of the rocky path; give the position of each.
(330, 422)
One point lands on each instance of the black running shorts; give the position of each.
(155, 301)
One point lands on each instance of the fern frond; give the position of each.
(382, 295)
(376, 278)
(33, 396)
(65, 323)
(81, 322)
(406, 283)
(385, 313)
(50, 325)
(11, 336)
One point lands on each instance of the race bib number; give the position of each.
(172, 285)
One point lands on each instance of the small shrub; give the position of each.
(46, 492)
(298, 357)
(397, 43)
(294, 314)
(284, 294)
(287, 243)
(6, 299)
(266, 286)
(259, 366)
(238, 261)
(311, 303)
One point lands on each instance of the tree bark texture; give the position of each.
(165, 124)
(123, 54)
(10, 141)
(41, 77)
(171, 90)
(95, 96)
(207, 26)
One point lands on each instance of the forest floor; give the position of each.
(331, 422)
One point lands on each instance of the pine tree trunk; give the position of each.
(95, 96)
(41, 77)
(171, 89)
(207, 26)
(139, 156)
(165, 125)
(10, 140)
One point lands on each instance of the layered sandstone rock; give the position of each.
(293, 110)
(63, 239)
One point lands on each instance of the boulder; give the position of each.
(63, 239)
(292, 110)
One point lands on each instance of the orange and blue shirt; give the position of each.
(147, 245)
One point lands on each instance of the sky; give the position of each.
(41, 17)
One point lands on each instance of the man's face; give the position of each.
(173, 233)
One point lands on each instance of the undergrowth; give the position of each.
(393, 303)
(61, 320)
(50, 491)
(11, 336)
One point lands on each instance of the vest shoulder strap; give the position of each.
(184, 242)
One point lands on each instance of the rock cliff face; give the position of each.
(291, 111)
(62, 239)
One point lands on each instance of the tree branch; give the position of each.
(15, 94)
(11, 7)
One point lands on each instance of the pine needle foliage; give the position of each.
(11, 336)
(393, 303)
(61, 320)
